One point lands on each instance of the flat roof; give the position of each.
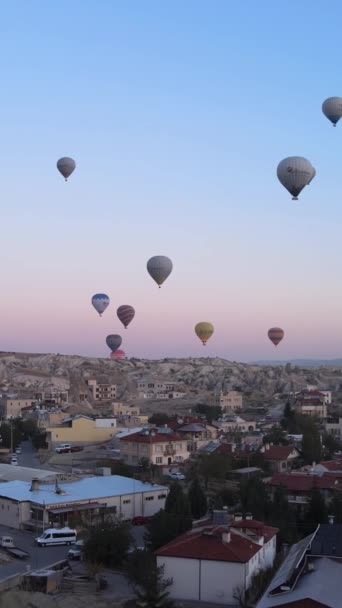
(8, 473)
(89, 488)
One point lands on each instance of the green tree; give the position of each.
(330, 446)
(254, 498)
(311, 445)
(161, 529)
(336, 507)
(276, 436)
(317, 511)
(283, 517)
(5, 434)
(159, 418)
(154, 591)
(197, 499)
(213, 466)
(108, 543)
(211, 412)
(177, 505)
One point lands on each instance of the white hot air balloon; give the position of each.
(294, 173)
(332, 109)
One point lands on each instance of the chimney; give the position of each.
(331, 519)
(226, 537)
(249, 516)
(34, 484)
(237, 516)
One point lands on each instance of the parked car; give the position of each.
(7, 541)
(18, 450)
(140, 520)
(176, 476)
(76, 448)
(63, 448)
(14, 460)
(76, 551)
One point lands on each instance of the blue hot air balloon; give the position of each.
(113, 342)
(100, 301)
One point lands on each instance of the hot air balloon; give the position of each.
(294, 173)
(275, 334)
(159, 267)
(113, 342)
(100, 301)
(204, 331)
(66, 166)
(118, 354)
(332, 108)
(126, 314)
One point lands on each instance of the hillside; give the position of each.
(197, 377)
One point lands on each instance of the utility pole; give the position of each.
(11, 426)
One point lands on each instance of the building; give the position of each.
(53, 395)
(333, 426)
(216, 563)
(230, 401)
(10, 473)
(310, 574)
(11, 406)
(311, 403)
(123, 409)
(158, 389)
(281, 458)
(327, 394)
(195, 431)
(328, 466)
(101, 391)
(298, 486)
(234, 424)
(159, 446)
(82, 429)
(43, 417)
(35, 504)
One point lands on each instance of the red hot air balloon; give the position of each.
(276, 334)
(126, 314)
(118, 354)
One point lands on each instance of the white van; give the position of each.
(14, 460)
(7, 541)
(54, 536)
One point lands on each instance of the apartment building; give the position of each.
(11, 406)
(159, 446)
(102, 391)
(234, 424)
(82, 429)
(230, 401)
(311, 403)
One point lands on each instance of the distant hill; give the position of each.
(304, 362)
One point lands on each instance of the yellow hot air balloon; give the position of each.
(204, 331)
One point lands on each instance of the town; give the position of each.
(234, 501)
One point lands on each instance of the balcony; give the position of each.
(169, 452)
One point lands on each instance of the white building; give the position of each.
(158, 389)
(234, 424)
(216, 564)
(102, 391)
(36, 504)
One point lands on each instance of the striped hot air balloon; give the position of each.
(113, 342)
(276, 335)
(126, 314)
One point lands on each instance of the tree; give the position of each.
(311, 445)
(214, 466)
(253, 498)
(177, 505)
(283, 517)
(159, 418)
(316, 512)
(276, 436)
(197, 499)
(154, 592)
(331, 445)
(108, 543)
(161, 529)
(211, 412)
(6, 432)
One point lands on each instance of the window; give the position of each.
(159, 460)
(159, 448)
(149, 498)
(126, 502)
(178, 446)
(161, 496)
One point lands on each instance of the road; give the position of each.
(40, 557)
(29, 457)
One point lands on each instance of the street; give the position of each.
(29, 457)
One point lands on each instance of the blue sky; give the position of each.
(177, 114)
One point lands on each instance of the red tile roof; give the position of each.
(332, 465)
(278, 452)
(206, 543)
(151, 437)
(258, 527)
(301, 482)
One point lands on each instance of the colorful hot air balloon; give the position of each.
(100, 301)
(332, 108)
(113, 342)
(294, 173)
(275, 334)
(159, 267)
(204, 331)
(126, 314)
(66, 166)
(118, 354)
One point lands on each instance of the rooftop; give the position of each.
(279, 452)
(328, 541)
(206, 543)
(302, 482)
(152, 436)
(332, 465)
(10, 473)
(89, 488)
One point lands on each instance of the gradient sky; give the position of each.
(177, 114)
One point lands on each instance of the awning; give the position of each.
(91, 505)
